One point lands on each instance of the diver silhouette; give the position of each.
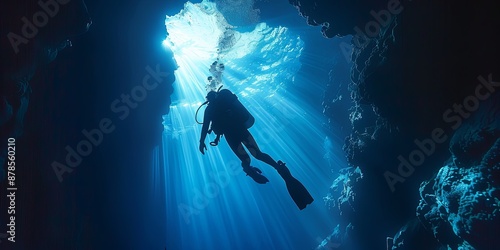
(225, 115)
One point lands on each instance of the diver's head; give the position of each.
(211, 96)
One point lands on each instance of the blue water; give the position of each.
(210, 202)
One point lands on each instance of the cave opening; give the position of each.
(211, 204)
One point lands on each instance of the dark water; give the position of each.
(101, 99)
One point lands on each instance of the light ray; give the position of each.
(211, 204)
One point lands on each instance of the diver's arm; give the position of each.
(204, 131)
(207, 118)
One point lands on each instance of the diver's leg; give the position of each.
(297, 191)
(252, 146)
(238, 150)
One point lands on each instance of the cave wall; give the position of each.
(421, 70)
(429, 57)
(71, 89)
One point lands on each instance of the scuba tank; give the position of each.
(232, 110)
(228, 113)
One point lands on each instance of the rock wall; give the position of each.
(421, 70)
(460, 205)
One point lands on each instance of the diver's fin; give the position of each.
(297, 191)
(256, 174)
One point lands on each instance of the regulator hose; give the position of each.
(205, 103)
(196, 114)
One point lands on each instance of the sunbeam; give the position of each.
(211, 204)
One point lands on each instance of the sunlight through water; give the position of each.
(211, 204)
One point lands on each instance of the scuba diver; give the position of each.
(227, 116)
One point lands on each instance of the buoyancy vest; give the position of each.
(228, 113)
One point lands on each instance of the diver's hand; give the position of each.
(203, 147)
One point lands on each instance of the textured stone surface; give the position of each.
(426, 61)
(461, 204)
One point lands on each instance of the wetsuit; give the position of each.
(225, 122)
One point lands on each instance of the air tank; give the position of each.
(236, 110)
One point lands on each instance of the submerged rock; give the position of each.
(342, 199)
(28, 45)
(413, 75)
(460, 205)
